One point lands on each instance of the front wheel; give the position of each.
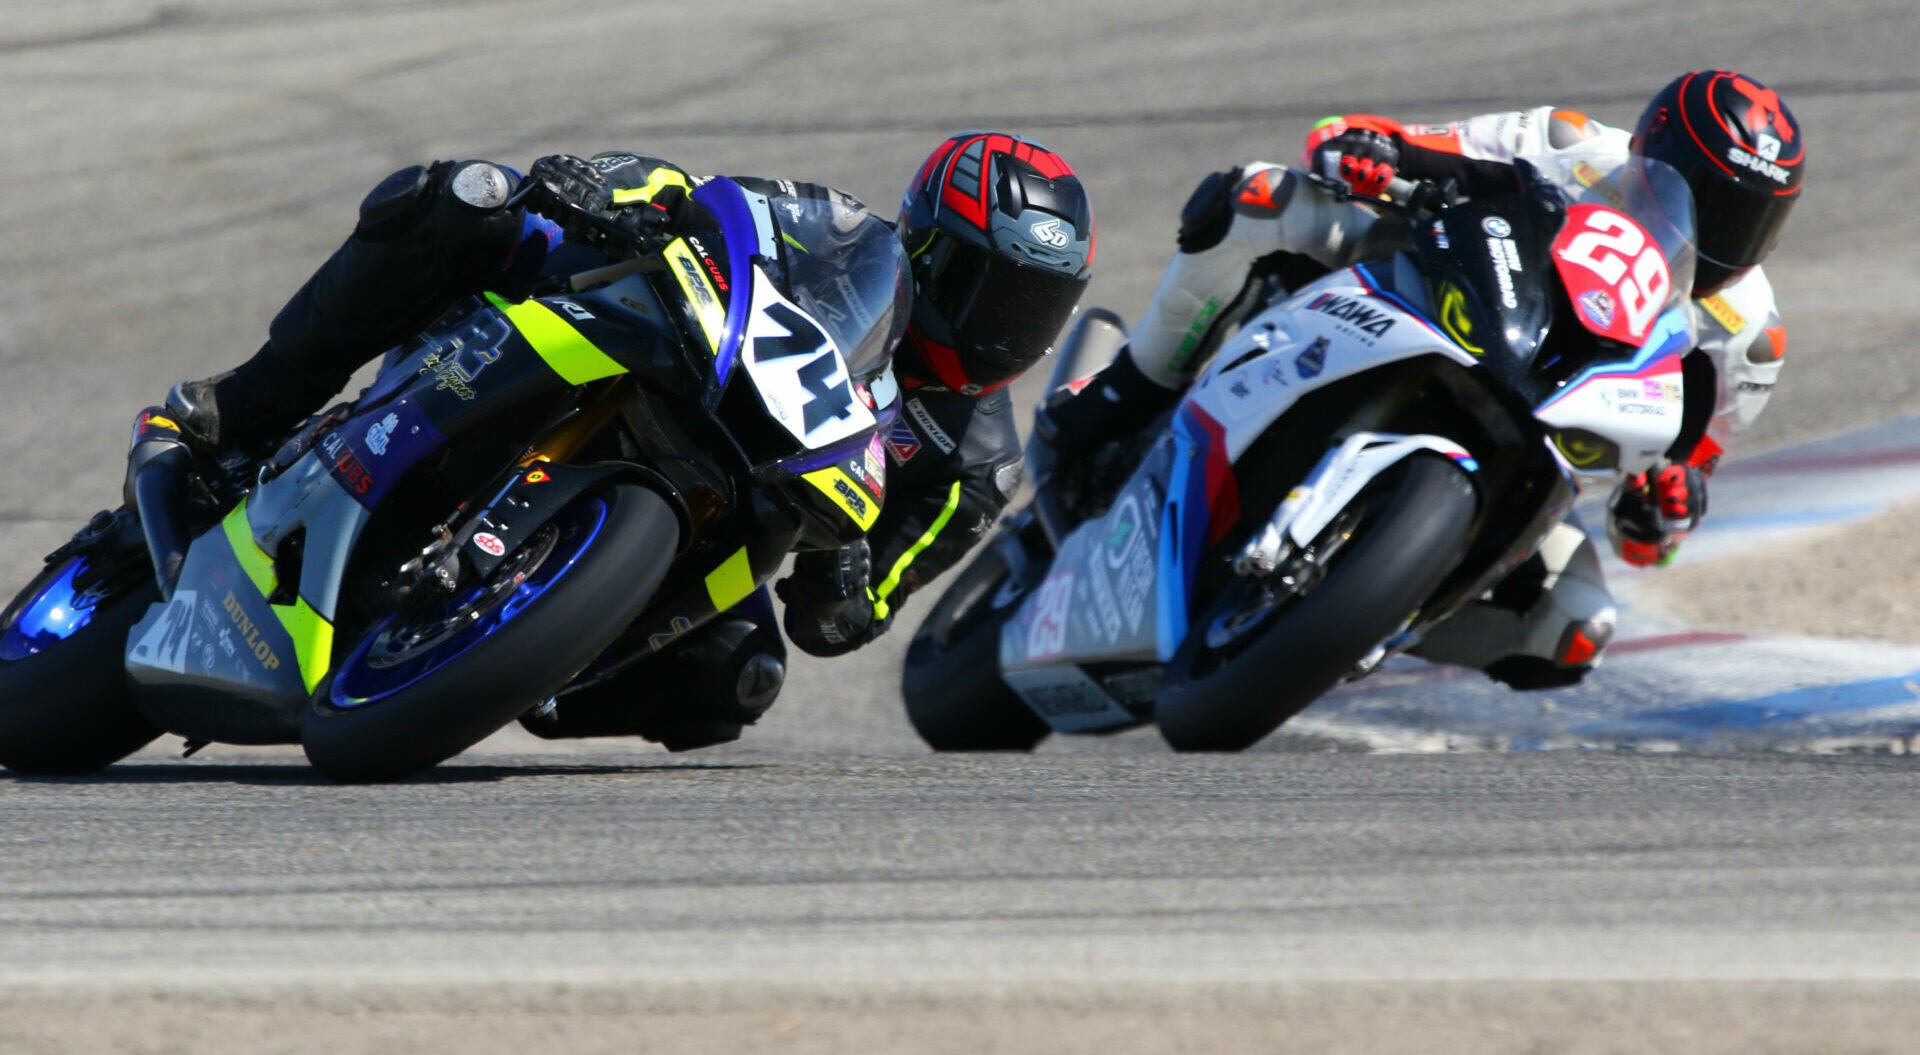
(65, 706)
(1253, 660)
(417, 689)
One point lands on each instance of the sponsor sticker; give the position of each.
(1506, 260)
(1598, 306)
(1310, 362)
(855, 504)
(1723, 313)
(250, 633)
(1049, 232)
(876, 465)
(347, 467)
(1357, 315)
(379, 431)
(490, 544)
(1496, 227)
(901, 442)
(1758, 164)
(1047, 633)
(930, 428)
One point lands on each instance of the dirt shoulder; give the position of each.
(1860, 581)
(1433, 1018)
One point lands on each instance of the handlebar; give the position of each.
(1414, 198)
(641, 231)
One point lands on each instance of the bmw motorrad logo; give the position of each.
(1496, 227)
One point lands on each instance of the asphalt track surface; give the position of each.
(176, 170)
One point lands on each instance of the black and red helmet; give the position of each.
(1741, 152)
(1001, 238)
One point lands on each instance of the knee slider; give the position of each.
(1208, 213)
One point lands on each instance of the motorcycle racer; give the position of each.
(1000, 236)
(1742, 154)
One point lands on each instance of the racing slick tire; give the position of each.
(1411, 530)
(65, 704)
(405, 695)
(955, 697)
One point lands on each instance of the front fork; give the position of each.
(1330, 488)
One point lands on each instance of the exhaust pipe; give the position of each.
(156, 490)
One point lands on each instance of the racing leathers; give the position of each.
(430, 237)
(1549, 622)
(954, 462)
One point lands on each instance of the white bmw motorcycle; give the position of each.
(1364, 455)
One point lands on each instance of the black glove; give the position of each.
(829, 600)
(1653, 512)
(567, 189)
(1361, 158)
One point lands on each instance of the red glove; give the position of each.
(1653, 512)
(1361, 157)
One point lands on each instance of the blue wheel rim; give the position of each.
(59, 611)
(361, 680)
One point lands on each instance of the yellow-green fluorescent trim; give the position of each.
(311, 634)
(840, 487)
(701, 296)
(564, 348)
(731, 582)
(661, 178)
(892, 582)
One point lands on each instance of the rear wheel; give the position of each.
(418, 688)
(955, 696)
(65, 706)
(1260, 653)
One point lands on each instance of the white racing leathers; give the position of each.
(1555, 608)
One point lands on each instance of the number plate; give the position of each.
(799, 372)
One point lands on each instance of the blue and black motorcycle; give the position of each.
(531, 505)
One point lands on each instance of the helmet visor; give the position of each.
(1003, 314)
(1738, 225)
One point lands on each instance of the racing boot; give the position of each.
(1115, 401)
(1545, 626)
(251, 404)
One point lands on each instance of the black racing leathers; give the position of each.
(953, 462)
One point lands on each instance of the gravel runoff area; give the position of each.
(1361, 1018)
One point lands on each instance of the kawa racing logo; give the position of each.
(1355, 313)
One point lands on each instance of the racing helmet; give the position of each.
(1000, 235)
(1740, 150)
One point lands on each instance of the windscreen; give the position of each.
(843, 266)
(1626, 252)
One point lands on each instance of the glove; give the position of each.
(1362, 158)
(562, 188)
(1653, 512)
(829, 600)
